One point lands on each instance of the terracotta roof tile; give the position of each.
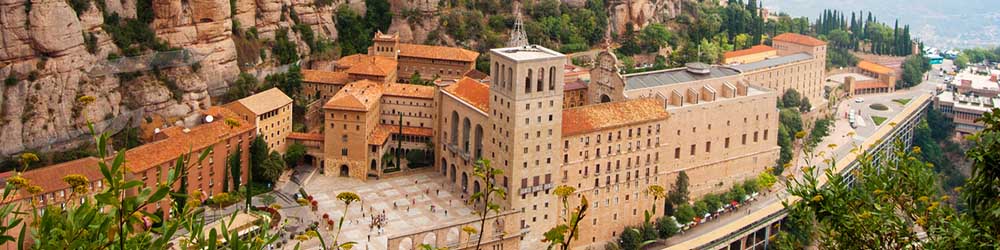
(50, 178)
(409, 90)
(874, 67)
(198, 137)
(326, 77)
(437, 52)
(585, 119)
(358, 95)
(870, 84)
(305, 136)
(264, 102)
(362, 64)
(799, 39)
(381, 133)
(473, 92)
(574, 85)
(752, 50)
(476, 74)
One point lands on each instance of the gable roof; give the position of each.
(180, 142)
(799, 39)
(266, 101)
(596, 117)
(409, 90)
(874, 67)
(473, 92)
(437, 52)
(357, 96)
(50, 178)
(322, 76)
(750, 51)
(362, 64)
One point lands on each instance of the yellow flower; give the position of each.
(800, 134)
(17, 181)
(76, 180)
(921, 221)
(27, 158)
(34, 189)
(923, 199)
(945, 198)
(86, 100)
(933, 206)
(916, 150)
(831, 146)
(877, 191)
(865, 215)
(817, 198)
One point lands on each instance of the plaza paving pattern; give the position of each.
(417, 191)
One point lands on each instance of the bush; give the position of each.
(284, 50)
(11, 80)
(631, 238)
(666, 227)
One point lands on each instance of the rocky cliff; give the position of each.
(49, 53)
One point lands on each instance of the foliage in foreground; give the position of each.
(895, 204)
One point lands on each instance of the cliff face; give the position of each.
(642, 12)
(49, 52)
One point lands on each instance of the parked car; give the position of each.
(859, 100)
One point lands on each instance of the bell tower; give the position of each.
(385, 45)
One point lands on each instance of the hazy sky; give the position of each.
(940, 23)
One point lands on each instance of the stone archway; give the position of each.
(406, 244)
(345, 171)
(465, 182)
(475, 187)
(453, 175)
(430, 239)
(444, 166)
(605, 98)
(452, 237)
(374, 165)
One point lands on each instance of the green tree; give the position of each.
(378, 15)
(666, 227)
(295, 153)
(914, 68)
(791, 119)
(259, 153)
(653, 37)
(983, 186)
(678, 194)
(631, 239)
(804, 105)
(791, 99)
(349, 22)
(283, 49)
(741, 41)
(235, 169)
(962, 61)
(839, 38)
(685, 214)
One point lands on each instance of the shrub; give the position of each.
(11, 80)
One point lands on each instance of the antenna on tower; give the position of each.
(517, 35)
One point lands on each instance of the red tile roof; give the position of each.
(874, 67)
(475, 74)
(179, 142)
(358, 96)
(50, 178)
(799, 39)
(752, 50)
(437, 52)
(473, 92)
(596, 117)
(305, 136)
(409, 90)
(574, 85)
(322, 76)
(381, 133)
(362, 64)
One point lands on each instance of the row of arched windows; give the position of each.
(477, 136)
(534, 76)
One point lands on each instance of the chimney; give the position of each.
(993, 78)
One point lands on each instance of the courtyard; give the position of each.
(409, 203)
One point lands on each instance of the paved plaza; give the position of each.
(406, 202)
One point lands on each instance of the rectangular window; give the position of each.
(744, 139)
(755, 136)
(677, 153)
(692, 149)
(708, 147)
(727, 143)
(343, 151)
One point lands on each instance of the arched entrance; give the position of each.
(374, 165)
(344, 171)
(605, 98)
(453, 176)
(444, 167)
(475, 187)
(465, 182)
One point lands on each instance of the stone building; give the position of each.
(270, 112)
(800, 64)
(883, 79)
(430, 62)
(752, 54)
